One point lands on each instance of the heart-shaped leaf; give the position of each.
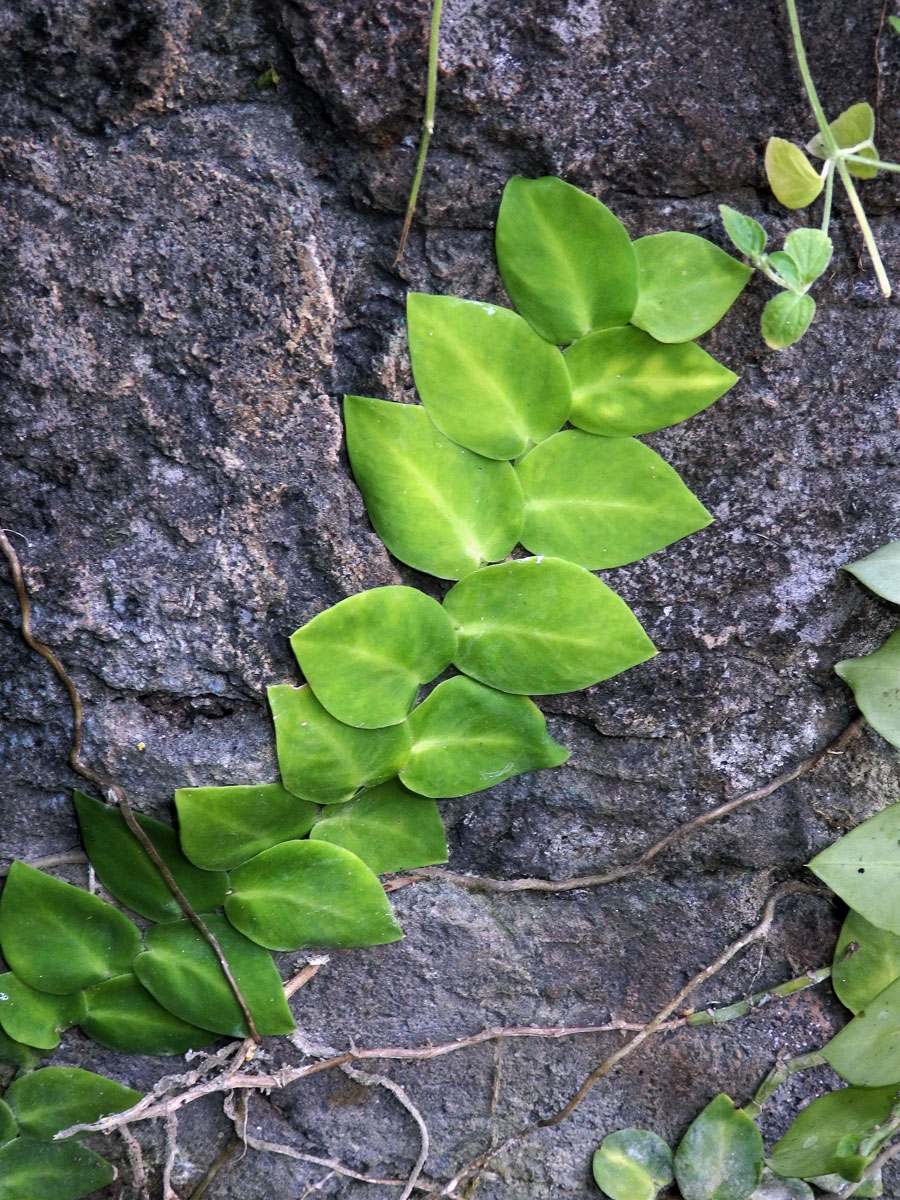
(388, 827)
(34, 1017)
(686, 285)
(875, 679)
(811, 251)
(565, 259)
(880, 571)
(746, 234)
(791, 175)
(625, 382)
(436, 506)
(865, 1052)
(366, 657)
(863, 867)
(603, 502)
(182, 972)
(8, 1126)
(125, 870)
(813, 1142)
(860, 974)
(856, 124)
(632, 1164)
(486, 379)
(310, 894)
(786, 318)
(123, 1016)
(721, 1155)
(50, 1100)
(221, 827)
(58, 938)
(51, 1170)
(325, 761)
(541, 626)
(467, 737)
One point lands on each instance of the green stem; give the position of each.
(777, 1076)
(829, 196)
(871, 162)
(742, 1008)
(427, 124)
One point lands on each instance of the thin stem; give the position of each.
(878, 163)
(829, 196)
(863, 221)
(427, 125)
(742, 1008)
(776, 1077)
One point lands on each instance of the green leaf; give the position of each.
(791, 175)
(59, 939)
(632, 1164)
(125, 870)
(565, 259)
(786, 318)
(32, 1170)
(123, 1016)
(310, 894)
(603, 502)
(625, 382)
(880, 571)
(894, 23)
(34, 1017)
(773, 1187)
(833, 1183)
(182, 972)
(50, 1100)
(875, 680)
(8, 1126)
(856, 124)
(366, 657)
(686, 283)
(467, 737)
(17, 1054)
(859, 976)
(813, 1144)
(811, 251)
(388, 827)
(865, 1052)
(863, 867)
(787, 269)
(486, 379)
(221, 827)
(325, 761)
(542, 625)
(746, 234)
(721, 1155)
(436, 506)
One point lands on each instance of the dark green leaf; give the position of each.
(566, 261)
(486, 379)
(880, 571)
(786, 318)
(863, 868)
(32, 1170)
(746, 234)
(123, 1016)
(34, 1017)
(50, 1100)
(59, 939)
(221, 827)
(859, 975)
(366, 657)
(867, 1051)
(791, 175)
(8, 1126)
(811, 251)
(17, 1054)
(388, 827)
(632, 1164)
(813, 1144)
(721, 1155)
(789, 271)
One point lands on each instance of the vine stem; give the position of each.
(427, 124)
(776, 1077)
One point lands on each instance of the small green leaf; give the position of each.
(366, 657)
(8, 1126)
(813, 1144)
(811, 251)
(125, 870)
(863, 867)
(865, 1052)
(182, 972)
(626, 382)
(565, 259)
(221, 827)
(856, 124)
(603, 502)
(786, 318)
(34, 1017)
(894, 23)
(486, 379)
(31, 1170)
(59, 939)
(123, 1016)
(17, 1054)
(789, 271)
(880, 571)
(310, 894)
(747, 235)
(50, 1100)
(467, 737)
(875, 680)
(388, 827)
(859, 976)
(632, 1164)
(436, 506)
(791, 175)
(721, 1155)
(325, 761)
(773, 1187)
(541, 626)
(686, 283)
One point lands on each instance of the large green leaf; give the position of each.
(59, 939)
(467, 737)
(721, 1155)
(34, 1017)
(880, 571)
(182, 972)
(125, 870)
(863, 868)
(542, 625)
(8, 1126)
(603, 502)
(686, 284)
(632, 1164)
(791, 175)
(50, 1100)
(325, 761)
(875, 679)
(31, 1170)
(815, 1143)
(123, 1016)
(366, 657)
(624, 382)
(436, 506)
(310, 893)
(17, 1054)
(486, 379)
(785, 319)
(221, 827)
(867, 1051)
(388, 827)
(565, 259)
(860, 974)
(855, 124)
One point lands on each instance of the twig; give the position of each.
(303, 976)
(427, 124)
(169, 1192)
(136, 1162)
(367, 1080)
(70, 858)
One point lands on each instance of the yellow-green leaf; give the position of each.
(791, 175)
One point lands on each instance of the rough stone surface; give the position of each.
(194, 270)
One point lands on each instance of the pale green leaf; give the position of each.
(50, 1100)
(811, 251)
(866, 1052)
(747, 235)
(832, 1184)
(388, 827)
(894, 23)
(787, 269)
(786, 318)
(791, 175)
(860, 975)
(773, 1187)
(863, 868)
(31, 1170)
(37, 1018)
(814, 1144)
(880, 571)
(221, 827)
(721, 1155)
(123, 1016)
(632, 1164)
(855, 125)
(875, 680)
